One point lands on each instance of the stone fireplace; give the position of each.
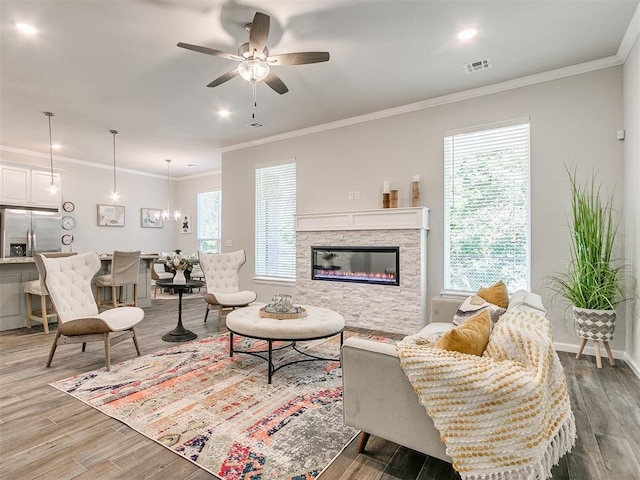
(371, 266)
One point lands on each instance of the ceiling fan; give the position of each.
(254, 58)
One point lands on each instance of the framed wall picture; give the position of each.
(185, 223)
(110, 216)
(150, 218)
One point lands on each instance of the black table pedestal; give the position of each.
(179, 334)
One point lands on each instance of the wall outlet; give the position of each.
(350, 195)
(228, 243)
(356, 195)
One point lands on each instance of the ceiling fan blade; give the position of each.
(210, 51)
(275, 83)
(259, 32)
(299, 58)
(224, 78)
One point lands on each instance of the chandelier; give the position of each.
(166, 214)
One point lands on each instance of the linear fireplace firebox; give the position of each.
(373, 265)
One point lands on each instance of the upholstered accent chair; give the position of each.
(124, 272)
(221, 274)
(68, 281)
(158, 273)
(38, 288)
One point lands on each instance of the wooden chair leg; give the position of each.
(362, 443)
(206, 313)
(107, 351)
(135, 340)
(98, 300)
(45, 317)
(114, 297)
(135, 294)
(53, 348)
(29, 310)
(584, 342)
(609, 354)
(598, 357)
(219, 317)
(84, 346)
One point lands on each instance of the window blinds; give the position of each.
(209, 221)
(487, 208)
(275, 210)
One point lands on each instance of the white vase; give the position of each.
(179, 278)
(595, 324)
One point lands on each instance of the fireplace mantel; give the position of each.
(385, 219)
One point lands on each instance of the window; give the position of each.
(275, 233)
(487, 205)
(209, 221)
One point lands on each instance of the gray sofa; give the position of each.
(378, 398)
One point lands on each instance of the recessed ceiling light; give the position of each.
(467, 33)
(55, 146)
(26, 28)
(224, 113)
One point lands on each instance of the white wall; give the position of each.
(632, 192)
(187, 201)
(87, 186)
(573, 120)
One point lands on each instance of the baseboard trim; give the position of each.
(589, 350)
(634, 366)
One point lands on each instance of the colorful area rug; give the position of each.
(219, 412)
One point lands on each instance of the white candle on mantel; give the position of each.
(416, 178)
(385, 187)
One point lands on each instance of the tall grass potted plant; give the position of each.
(594, 282)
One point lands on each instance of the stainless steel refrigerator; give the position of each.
(26, 232)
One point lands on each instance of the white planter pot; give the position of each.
(594, 324)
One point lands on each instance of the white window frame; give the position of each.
(449, 156)
(283, 273)
(218, 239)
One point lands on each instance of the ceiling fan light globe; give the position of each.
(253, 70)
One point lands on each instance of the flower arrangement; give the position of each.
(179, 262)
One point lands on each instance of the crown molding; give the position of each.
(630, 36)
(557, 74)
(75, 161)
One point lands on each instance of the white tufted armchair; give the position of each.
(221, 275)
(68, 281)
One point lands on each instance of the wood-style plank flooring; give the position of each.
(47, 434)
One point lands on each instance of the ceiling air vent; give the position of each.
(483, 64)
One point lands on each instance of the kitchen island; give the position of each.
(16, 271)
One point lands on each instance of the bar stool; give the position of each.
(37, 287)
(124, 272)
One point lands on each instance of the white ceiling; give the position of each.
(112, 64)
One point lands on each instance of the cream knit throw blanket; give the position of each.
(505, 415)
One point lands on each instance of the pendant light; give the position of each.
(53, 187)
(114, 193)
(166, 214)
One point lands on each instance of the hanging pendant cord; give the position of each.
(255, 102)
(49, 114)
(114, 132)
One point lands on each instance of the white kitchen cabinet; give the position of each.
(26, 187)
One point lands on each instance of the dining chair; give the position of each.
(222, 279)
(158, 273)
(124, 272)
(37, 288)
(68, 281)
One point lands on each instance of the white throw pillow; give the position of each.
(525, 301)
(472, 306)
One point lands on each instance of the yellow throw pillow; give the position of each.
(471, 337)
(496, 294)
